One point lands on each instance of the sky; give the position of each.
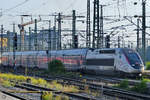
(113, 10)
(40, 7)
(12, 9)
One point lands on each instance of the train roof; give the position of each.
(113, 48)
(23, 53)
(53, 52)
(64, 52)
(70, 52)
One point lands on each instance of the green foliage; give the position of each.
(72, 74)
(124, 84)
(50, 96)
(65, 98)
(140, 87)
(47, 96)
(146, 79)
(7, 84)
(59, 97)
(147, 65)
(56, 67)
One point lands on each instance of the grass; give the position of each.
(47, 96)
(6, 83)
(147, 65)
(6, 80)
(9, 77)
(65, 88)
(139, 87)
(50, 96)
(124, 84)
(9, 80)
(146, 79)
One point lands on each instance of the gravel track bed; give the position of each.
(28, 96)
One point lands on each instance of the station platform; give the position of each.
(4, 96)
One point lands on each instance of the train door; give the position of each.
(21, 59)
(43, 60)
(29, 61)
(31, 58)
(120, 61)
(117, 56)
(8, 60)
(36, 60)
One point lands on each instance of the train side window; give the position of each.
(119, 54)
(107, 51)
(47, 52)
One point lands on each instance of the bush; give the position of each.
(47, 96)
(56, 67)
(147, 65)
(124, 84)
(7, 84)
(141, 87)
(146, 79)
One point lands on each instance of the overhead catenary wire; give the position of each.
(84, 12)
(118, 8)
(70, 6)
(39, 7)
(18, 5)
(12, 8)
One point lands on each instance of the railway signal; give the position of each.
(76, 41)
(15, 41)
(108, 41)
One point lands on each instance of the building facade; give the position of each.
(46, 40)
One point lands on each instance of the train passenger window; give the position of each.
(102, 62)
(107, 51)
(119, 54)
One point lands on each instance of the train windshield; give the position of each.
(133, 58)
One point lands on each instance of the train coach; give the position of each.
(98, 61)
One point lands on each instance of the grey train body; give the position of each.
(95, 61)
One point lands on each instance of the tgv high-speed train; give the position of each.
(98, 61)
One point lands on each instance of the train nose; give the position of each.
(142, 68)
(138, 67)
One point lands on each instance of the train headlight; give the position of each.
(140, 74)
(142, 68)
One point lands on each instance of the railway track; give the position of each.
(4, 95)
(72, 96)
(99, 83)
(15, 93)
(107, 90)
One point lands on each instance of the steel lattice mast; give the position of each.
(96, 32)
(88, 26)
